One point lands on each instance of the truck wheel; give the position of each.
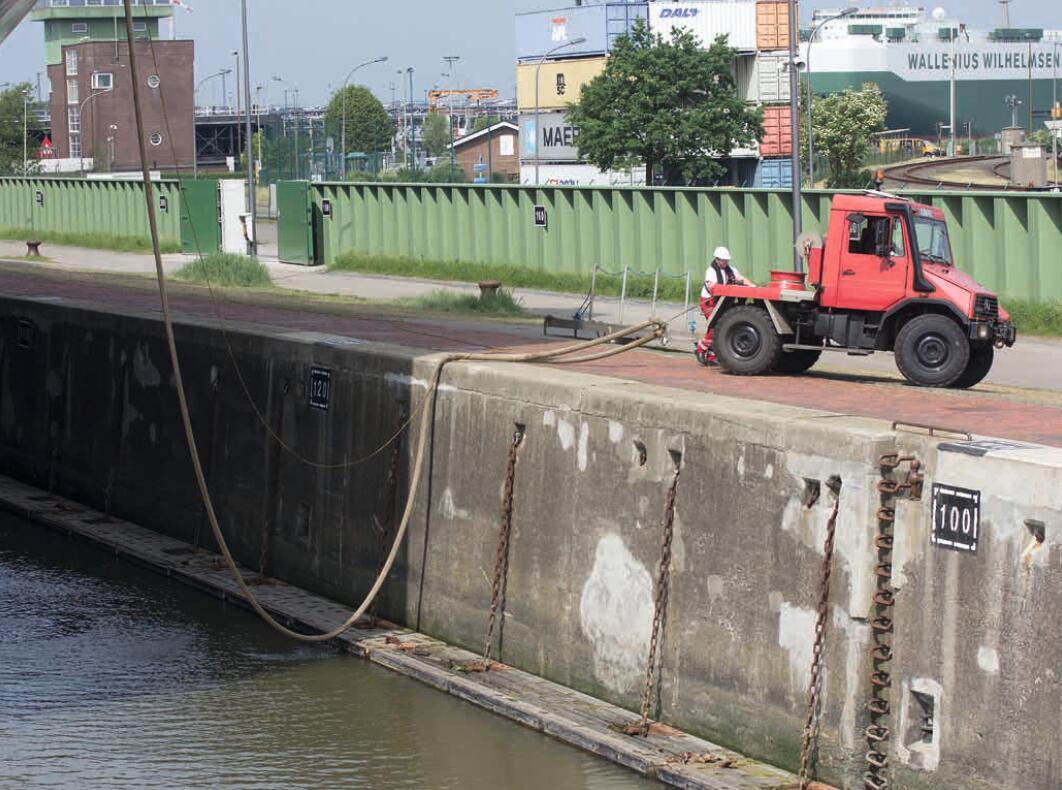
(796, 362)
(932, 351)
(746, 342)
(981, 357)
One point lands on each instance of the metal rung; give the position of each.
(930, 430)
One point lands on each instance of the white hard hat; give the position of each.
(721, 253)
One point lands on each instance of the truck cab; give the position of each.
(884, 279)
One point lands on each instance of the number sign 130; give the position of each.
(956, 518)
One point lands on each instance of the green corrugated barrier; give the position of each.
(68, 205)
(1011, 242)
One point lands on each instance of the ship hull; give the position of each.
(916, 80)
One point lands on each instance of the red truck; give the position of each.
(884, 279)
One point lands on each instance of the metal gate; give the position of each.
(200, 223)
(295, 223)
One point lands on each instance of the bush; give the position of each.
(499, 303)
(226, 270)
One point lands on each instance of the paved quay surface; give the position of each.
(1022, 415)
(1034, 363)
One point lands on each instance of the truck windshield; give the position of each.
(933, 241)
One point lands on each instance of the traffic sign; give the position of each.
(1056, 127)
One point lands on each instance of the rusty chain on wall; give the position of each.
(663, 581)
(815, 683)
(879, 704)
(501, 558)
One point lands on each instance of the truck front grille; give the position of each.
(986, 307)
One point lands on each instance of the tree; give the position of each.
(13, 129)
(670, 104)
(485, 122)
(436, 133)
(844, 127)
(369, 127)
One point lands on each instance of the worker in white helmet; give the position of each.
(719, 272)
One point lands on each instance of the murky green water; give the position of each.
(113, 677)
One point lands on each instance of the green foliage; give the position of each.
(436, 133)
(666, 104)
(443, 173)
(485, 122)
(369, 127)
(12, 127)
(95, 241)
(638, 285)
(500, 303)
(226, 270)
(1035, 318)
(844, 126)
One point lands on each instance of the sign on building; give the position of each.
(556, 137)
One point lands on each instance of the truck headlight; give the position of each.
(983, 331)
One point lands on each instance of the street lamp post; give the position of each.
(195, 104)
(412, 124)
(343, 132)
(811, 92)
(81, 121)
(538, 69)
(25, 133)
(794, 112)
(236, 56)
(252, 195)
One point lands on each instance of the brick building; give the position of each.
(92, 103)
(492, 150)
(87, 59)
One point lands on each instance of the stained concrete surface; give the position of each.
(587, 515)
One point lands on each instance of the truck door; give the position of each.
(873, 270)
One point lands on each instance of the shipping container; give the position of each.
(539, 32)
(559, 82)
(762, 78)
(707, 20)
(777, 135)
(580, 175)
(772, 24)
(774, 174)
(555, 137)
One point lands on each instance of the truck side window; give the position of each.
(897, 239)
(863, 235)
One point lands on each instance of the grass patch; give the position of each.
(95, 241)
(1035, 318)
(226, 270)
(639, 286)
(500, 303)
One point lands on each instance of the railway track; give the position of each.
(921, 173)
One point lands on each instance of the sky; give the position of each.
(312, 44)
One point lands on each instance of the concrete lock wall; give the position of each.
(87, 409)
(1008, 241)
(64, 205)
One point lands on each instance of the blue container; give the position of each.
(774, 174)
(539, 32)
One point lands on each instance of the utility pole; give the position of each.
(239, 85)
(252, 242)
(794, 110)
(412, 123)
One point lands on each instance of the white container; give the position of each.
(707, 21)
(579, 175)
(233, 195)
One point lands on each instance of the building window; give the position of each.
(140, 27)
(73, 120)
(71, 63)
(79, 27)
(75, 146)
(156, 139)
(102, 81)
(71, 92)
(154, 81)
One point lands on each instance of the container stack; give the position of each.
(551, 73)
(775, 169)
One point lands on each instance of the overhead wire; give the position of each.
(426, 412)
